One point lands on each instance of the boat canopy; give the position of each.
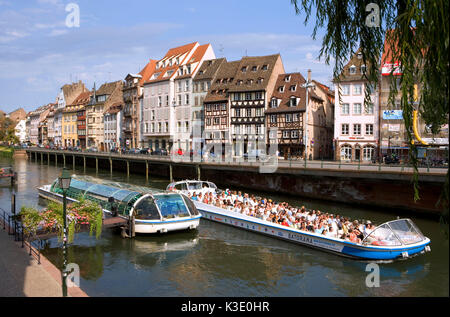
(104, 192)
(395, 233)
(191, 185)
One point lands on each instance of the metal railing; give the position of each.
(293, 162)
(19, 231)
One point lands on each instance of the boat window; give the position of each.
(195, 185)
(382, 236)
(212, 185)
(181, 186)
(171, 206)
(192, 209)
(205, 185)
(146, 209)
(406, 231)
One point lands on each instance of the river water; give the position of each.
(217, 260)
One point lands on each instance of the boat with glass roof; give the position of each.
(152, 210)
(395, 239)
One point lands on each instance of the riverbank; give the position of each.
(6, 151)
(23, 276)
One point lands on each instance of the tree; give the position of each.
(418, 33)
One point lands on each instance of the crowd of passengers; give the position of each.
(329, 225)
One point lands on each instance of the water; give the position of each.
(217, 260)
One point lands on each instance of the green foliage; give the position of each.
(418, 33)
(79, 215)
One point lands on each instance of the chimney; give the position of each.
(309, 75)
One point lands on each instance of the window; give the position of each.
(273, 103)
(287, 78)
(357, 129)
(357, 89)
(346, 152)
(281, 89)
(294, 134)
(296, 117)
(249, 112)
(248, 96)
(368, 109)
(352, 70)
(293, 87)
(167, 100)
(237, 96)
(208, 121)
(258, 96)
(179, 86)
(286, 134)
(292, 102)
(244, 69)
(186, 87)
(344, 129)
(288, 117)
(345, 109)
(159, 101)
(237, 112)
(356, 108)
(363, 69)
(265, 67)
(345, 90)
(369, 129)
(368, 153)
(254, 68)
(258, 112)
(273, 118)
(179, 100)
(216, 121)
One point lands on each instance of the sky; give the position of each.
(39, 53)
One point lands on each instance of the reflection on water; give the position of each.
(217, 260)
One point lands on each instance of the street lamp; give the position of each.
(64, 184)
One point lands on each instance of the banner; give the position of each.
(393, 114)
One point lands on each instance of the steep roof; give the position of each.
(82, 99)
(209, 68)
(357, 61)
(108, 88)
(327, 90)
(295, 80)
(223, 82)
(252, 75)
(147, 71)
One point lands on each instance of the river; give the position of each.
(217, 260)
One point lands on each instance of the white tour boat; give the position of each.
(391, 240)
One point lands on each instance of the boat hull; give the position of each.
(337, 246)
(140, 226)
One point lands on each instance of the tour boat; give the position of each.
(193, 186)
(153, 211)
(391, 240)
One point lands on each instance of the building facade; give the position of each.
(66, 96)
(113, 120)
(101, 99)
(286, 117)
(166, 103)
(132, 97)
(356, 123)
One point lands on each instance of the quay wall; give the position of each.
(391, 190)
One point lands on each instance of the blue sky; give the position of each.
(39, 53)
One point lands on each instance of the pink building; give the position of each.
(356, 124)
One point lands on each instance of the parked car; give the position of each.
(160, 152)
(144, 151)
(391, 159)
(257, 154)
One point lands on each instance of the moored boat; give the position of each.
(151, 210)
(395, 239)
